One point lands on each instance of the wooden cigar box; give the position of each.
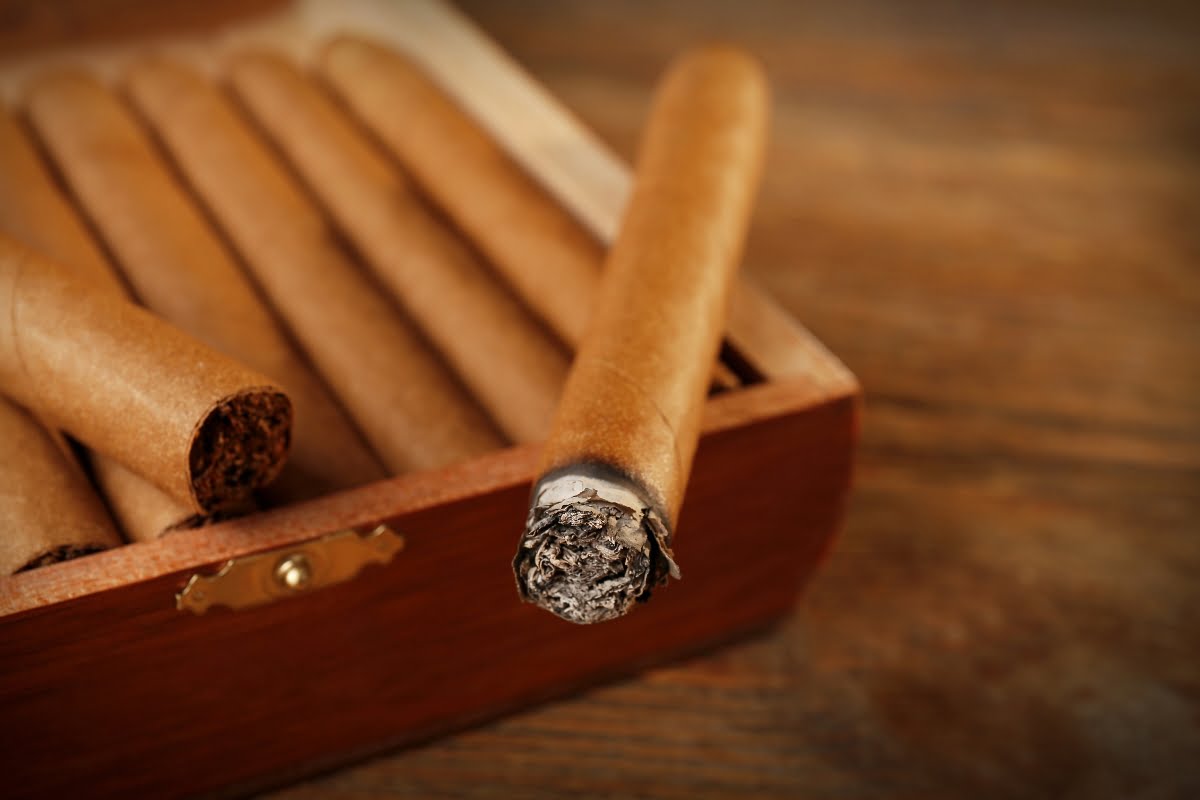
(259, 649)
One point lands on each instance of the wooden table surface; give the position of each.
(991, 212)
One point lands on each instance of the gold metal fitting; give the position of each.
(297, 569)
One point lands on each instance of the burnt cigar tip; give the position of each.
(592, 556)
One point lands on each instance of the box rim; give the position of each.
(360, 508)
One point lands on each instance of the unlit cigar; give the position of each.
(502, 354)
(202, 427)
(548, 257)
(180, 269)
(48, 511)
(34, 212)
(413, 411)
(614, 469)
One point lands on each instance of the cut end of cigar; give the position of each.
(197, 521)
(592, 548)
(64, 553)
(241, 446)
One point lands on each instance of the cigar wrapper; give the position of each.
(544, 253)
(179, 268)
(409, 405)
(511, 365)
(34, 212)
(615, 467)
(48, 511)
(548, 258)
(205, 429)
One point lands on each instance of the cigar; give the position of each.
(507, 360)
(548, 257)
(613, 472)
(412, 409)
(48, 511)
(202, 427)
(34, 212)
(180, 269)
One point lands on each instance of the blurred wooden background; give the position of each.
(991, 211)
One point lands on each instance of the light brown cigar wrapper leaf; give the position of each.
(409, 405)
(551, 261)
(617, 461)
(547, 257)
(34, 212)
(202, 427)
(179, 269)
(505, 358)
(48, 512)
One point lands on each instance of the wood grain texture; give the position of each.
(989, 211)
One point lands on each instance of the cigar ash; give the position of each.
(241, 446)
(591, 555)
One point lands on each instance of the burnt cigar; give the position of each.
(509, 362)
(34, 212)
(599, 533)
(179, 268)
(552, 262)
(412, 409)
(126, 384)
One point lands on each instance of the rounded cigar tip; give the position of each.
(724, 58)
(241, 445)
(249, 61)
(344, 50)
(724, 67)
(156, 81)
(145, 66)
(55, 85)
(345, 54)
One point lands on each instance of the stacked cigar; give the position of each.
(265, 228)
(188, 264)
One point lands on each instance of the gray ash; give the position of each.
(587, 559)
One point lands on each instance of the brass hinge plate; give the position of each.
(288, 571)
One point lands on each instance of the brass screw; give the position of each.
(294, 573)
